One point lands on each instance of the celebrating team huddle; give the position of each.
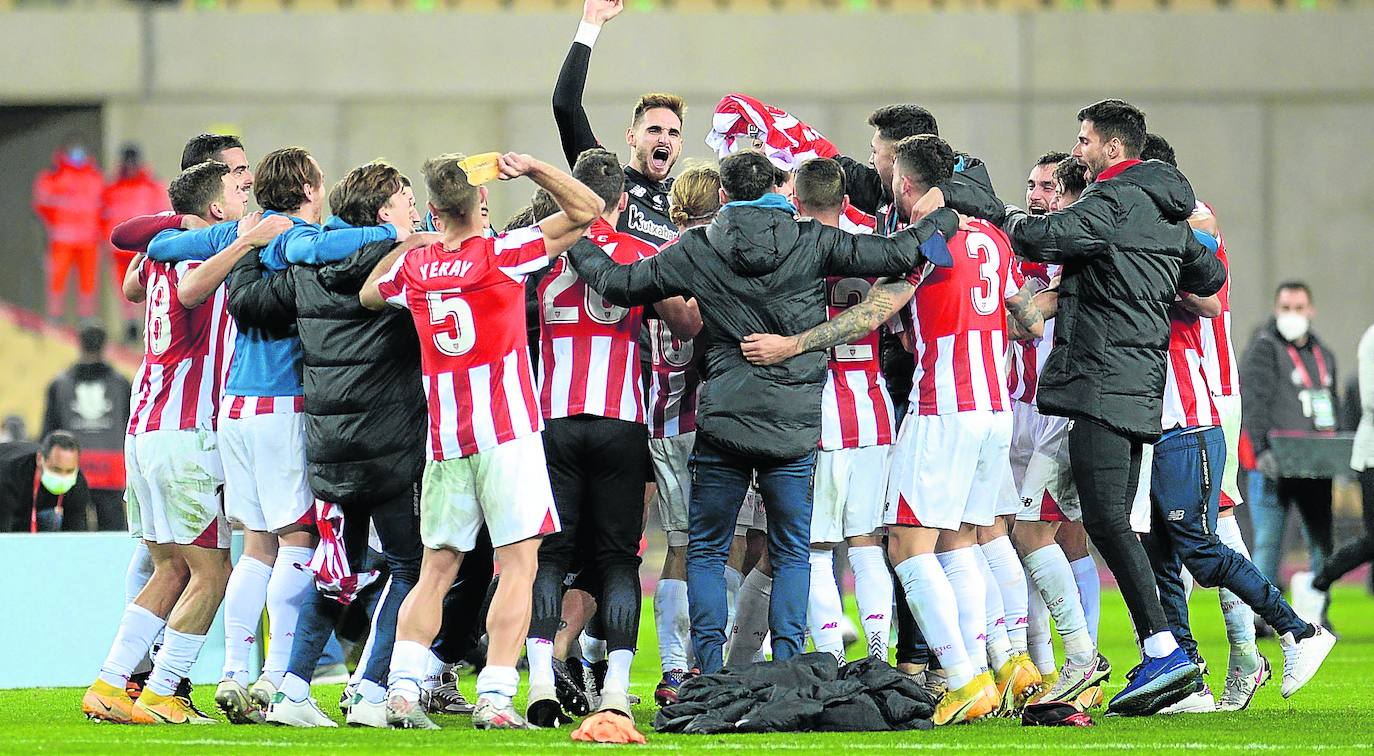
(787, 352)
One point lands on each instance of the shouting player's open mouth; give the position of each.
(658, 161)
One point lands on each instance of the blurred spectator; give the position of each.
(1288, 381)
(12, 428)
(134, 191)
(41, 485)
(91, 401)
(66, 198)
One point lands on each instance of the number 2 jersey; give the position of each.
(589, 348)
(469, 310)
(186, 354)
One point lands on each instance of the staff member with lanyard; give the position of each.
(1287, 379)
(41, 482)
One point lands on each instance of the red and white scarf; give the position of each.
(741, 122)
(333, 577)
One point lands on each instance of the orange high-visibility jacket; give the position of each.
(67, 198)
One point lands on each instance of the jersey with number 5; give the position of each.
(185, 355)
(469, 310)
(960, 324)
(588, 347)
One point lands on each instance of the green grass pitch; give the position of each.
(1334, 713)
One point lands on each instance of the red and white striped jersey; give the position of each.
(856, 410)
(1218, 351)
(1027, 358)
(674, 382)
(589, 348)
(1187, 394)
(186, 354)
(238, 407)
(959, 322)
(469, 310)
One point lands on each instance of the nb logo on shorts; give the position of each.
(1175, 515)
(1025, 501)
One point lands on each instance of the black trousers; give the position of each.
(109, 509)
(1358, 551)
(597, 470)
(1106, 469)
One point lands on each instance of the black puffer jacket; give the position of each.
(755, 269)
(1127, 251)
(365, 410)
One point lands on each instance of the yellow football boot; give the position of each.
(155, 708)
(104, 702)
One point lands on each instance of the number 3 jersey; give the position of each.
(589, 348)
(469, 309)
(185, 357)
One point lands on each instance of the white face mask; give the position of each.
(1291, 325)
(57, 484)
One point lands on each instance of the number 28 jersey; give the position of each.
(469, 309)
(589, 348)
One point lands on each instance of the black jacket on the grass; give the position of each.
(365, 409)
(755, 269)
(1127, 251)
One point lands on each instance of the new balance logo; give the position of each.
(1175, 515)
(830, 626)
(875, 617)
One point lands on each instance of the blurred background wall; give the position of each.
(1268, 108)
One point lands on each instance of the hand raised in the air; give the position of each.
(768, 348)
(598, 12)
(265, 230)
(514, 165)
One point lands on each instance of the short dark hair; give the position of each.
(1052, 157)
(360, 194)
(1158, 148)
(897, 122)
(747, 175)
(92, 338)
(600, 170)
(652, 100)
(1069, 172)
(280, 178)
(56, 439)
(204, 147)
(1294, 286)
(542, 204)
(820, 184)
(192, 191)
(927, 156)
(453, 197)
(1118, 119)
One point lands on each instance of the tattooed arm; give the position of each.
(1024, 320)
(886, 297)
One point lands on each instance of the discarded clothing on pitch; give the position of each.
(809, 693)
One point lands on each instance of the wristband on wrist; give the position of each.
(587, 33)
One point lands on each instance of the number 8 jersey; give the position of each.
(469, 309)
(589, 348)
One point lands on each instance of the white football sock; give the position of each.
(733, 580)
(137, 575)
(1011, 583)
(1239, 617)
(1160, 645)
(932, 601)
(433, 672)
(295, 688)
(539, 652)
(137, 629)
(408, 662)
(498, 684)
(593, 649)
(244, 597)
(999, 648)
(1051, 575)
(1089, 592)
(671, 621)
(873, 593)
(618, 670)
(174, 660)
(823, 608)
(1039, 643)
(287, 590)
(371, 692)
(751, 618)
(368, 649)
(970, 595)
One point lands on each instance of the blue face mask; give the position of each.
(77, 155)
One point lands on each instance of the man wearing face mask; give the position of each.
(1288, 378)
(39, 482)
